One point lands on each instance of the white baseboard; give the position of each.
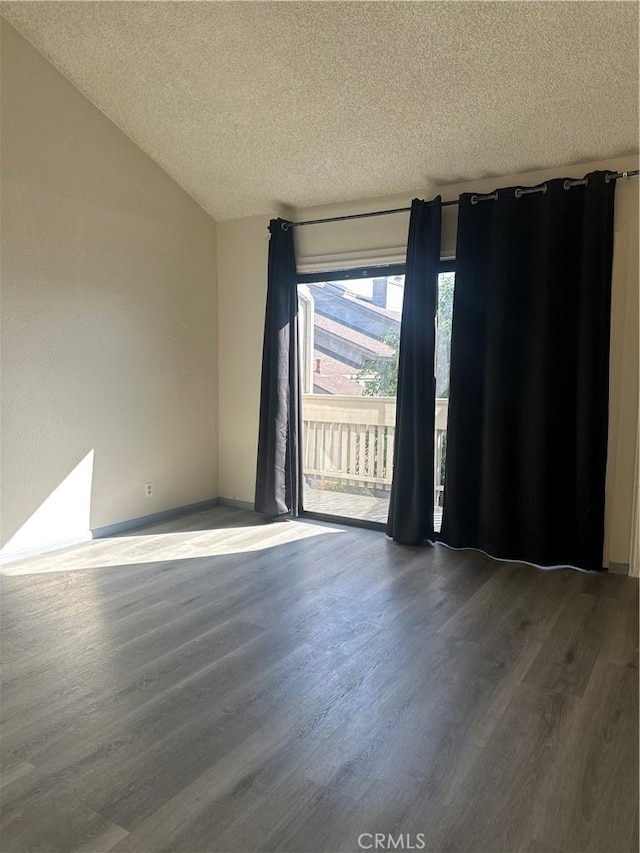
(237, 504)
(25, 553)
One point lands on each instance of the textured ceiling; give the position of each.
(250, 105)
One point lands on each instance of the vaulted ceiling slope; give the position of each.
(250, 105)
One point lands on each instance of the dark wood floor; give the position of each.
(221, 685)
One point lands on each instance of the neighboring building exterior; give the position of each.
(348, 330)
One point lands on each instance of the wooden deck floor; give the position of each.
(216, 684)
(345, 505)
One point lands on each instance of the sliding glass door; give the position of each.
(446, 284)
(350, 337)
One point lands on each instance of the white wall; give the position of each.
(242, 259)
(109, 351)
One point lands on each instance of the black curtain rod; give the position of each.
(613, 176)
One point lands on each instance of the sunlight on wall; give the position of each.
(63, 517)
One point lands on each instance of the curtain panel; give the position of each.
(410, 519)
(528, 409)
(279, 465)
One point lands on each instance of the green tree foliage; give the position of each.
(379, 375)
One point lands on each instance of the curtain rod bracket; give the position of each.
(613, 176)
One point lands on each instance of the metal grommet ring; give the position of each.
(474, 199)
(545, 188)
(518, 193)
(567, 185)
(285, 226)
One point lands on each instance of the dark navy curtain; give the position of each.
(527, 427)
(411, 503)
(279, 466)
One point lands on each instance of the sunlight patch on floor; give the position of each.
(138, 549)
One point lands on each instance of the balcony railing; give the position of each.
(349, 441)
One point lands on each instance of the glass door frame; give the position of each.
(372, 271)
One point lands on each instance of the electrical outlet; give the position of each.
(148, 490)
